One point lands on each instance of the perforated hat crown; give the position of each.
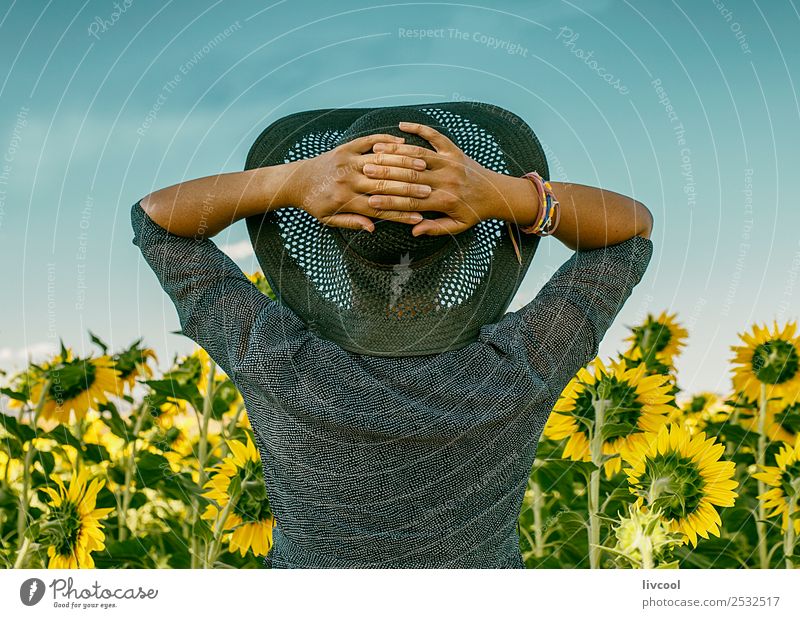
(388, 293)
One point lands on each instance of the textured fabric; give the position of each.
(408, 462)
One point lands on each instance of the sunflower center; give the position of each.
(789, 482)
(623, 410)
(127, 361)
(674, 484)
(775, 361)
(789, 418)
(253, 505)
(698, 404)
(65, 539)
(652, 337)
(71, 379)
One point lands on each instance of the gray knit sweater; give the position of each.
(375, 462)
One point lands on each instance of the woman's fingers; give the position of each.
(403, 174)
(349, 220)
(359, 205)
(417, 152)
(398, 203)
(365, 144)
(391, 187)
(399, 216)
(382, 158)
(438, 227)
(432, 159)
(436, 139)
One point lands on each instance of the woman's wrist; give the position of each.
(282, 185)
(517, 202)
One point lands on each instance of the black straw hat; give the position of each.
(388, 293)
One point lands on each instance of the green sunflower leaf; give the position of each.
(177, 390)
(98, 342)
(14, 394)
(63, 435)
(95, 453)
(151, 469)
(24, 433)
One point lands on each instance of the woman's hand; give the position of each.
(334, 188)
(463, 190)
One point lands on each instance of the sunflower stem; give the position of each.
(22, 512)
(229, 429)
(596, 451)
(202, 450)
(646, 550)
(216, 542)
(37, 412)
(761, 526)
(789, 535)
(208, 405)
(646, 347)
(22, 554)
(130, 464)
(538, 547)
(79, 431)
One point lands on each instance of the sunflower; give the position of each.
(700, 410)
(19, 387)
(169, 407)
(658, 339)
(637, 403)
(784, 482)
(188, 371)
(74, 529)
(681, 476)
(76, 385)
(239, 477)
(172, 437)
(261, 283)
(11, 468)
(97, 432)
(643, 539)
(243, 421)
(224, 389)
(133, 362)
(771, 358)
(783, 421)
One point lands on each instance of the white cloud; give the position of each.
(36, 352)
(238, 250)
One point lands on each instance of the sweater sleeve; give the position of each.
(562, 327)
(218, 306)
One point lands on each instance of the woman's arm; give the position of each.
(467, 193)
(331, 187)
(591, 217)
(203, 207)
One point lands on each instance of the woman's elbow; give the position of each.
(644, 220)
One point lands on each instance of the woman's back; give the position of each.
(395, 462)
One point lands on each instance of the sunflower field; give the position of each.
(106, 464)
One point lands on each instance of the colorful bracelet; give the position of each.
(545, 223)
(538, 182)
(549, 216)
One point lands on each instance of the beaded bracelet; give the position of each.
(544, 224)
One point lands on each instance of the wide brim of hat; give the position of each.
(344, 298)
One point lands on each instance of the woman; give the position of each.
(407, 442)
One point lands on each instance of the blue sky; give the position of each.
(93, 118)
